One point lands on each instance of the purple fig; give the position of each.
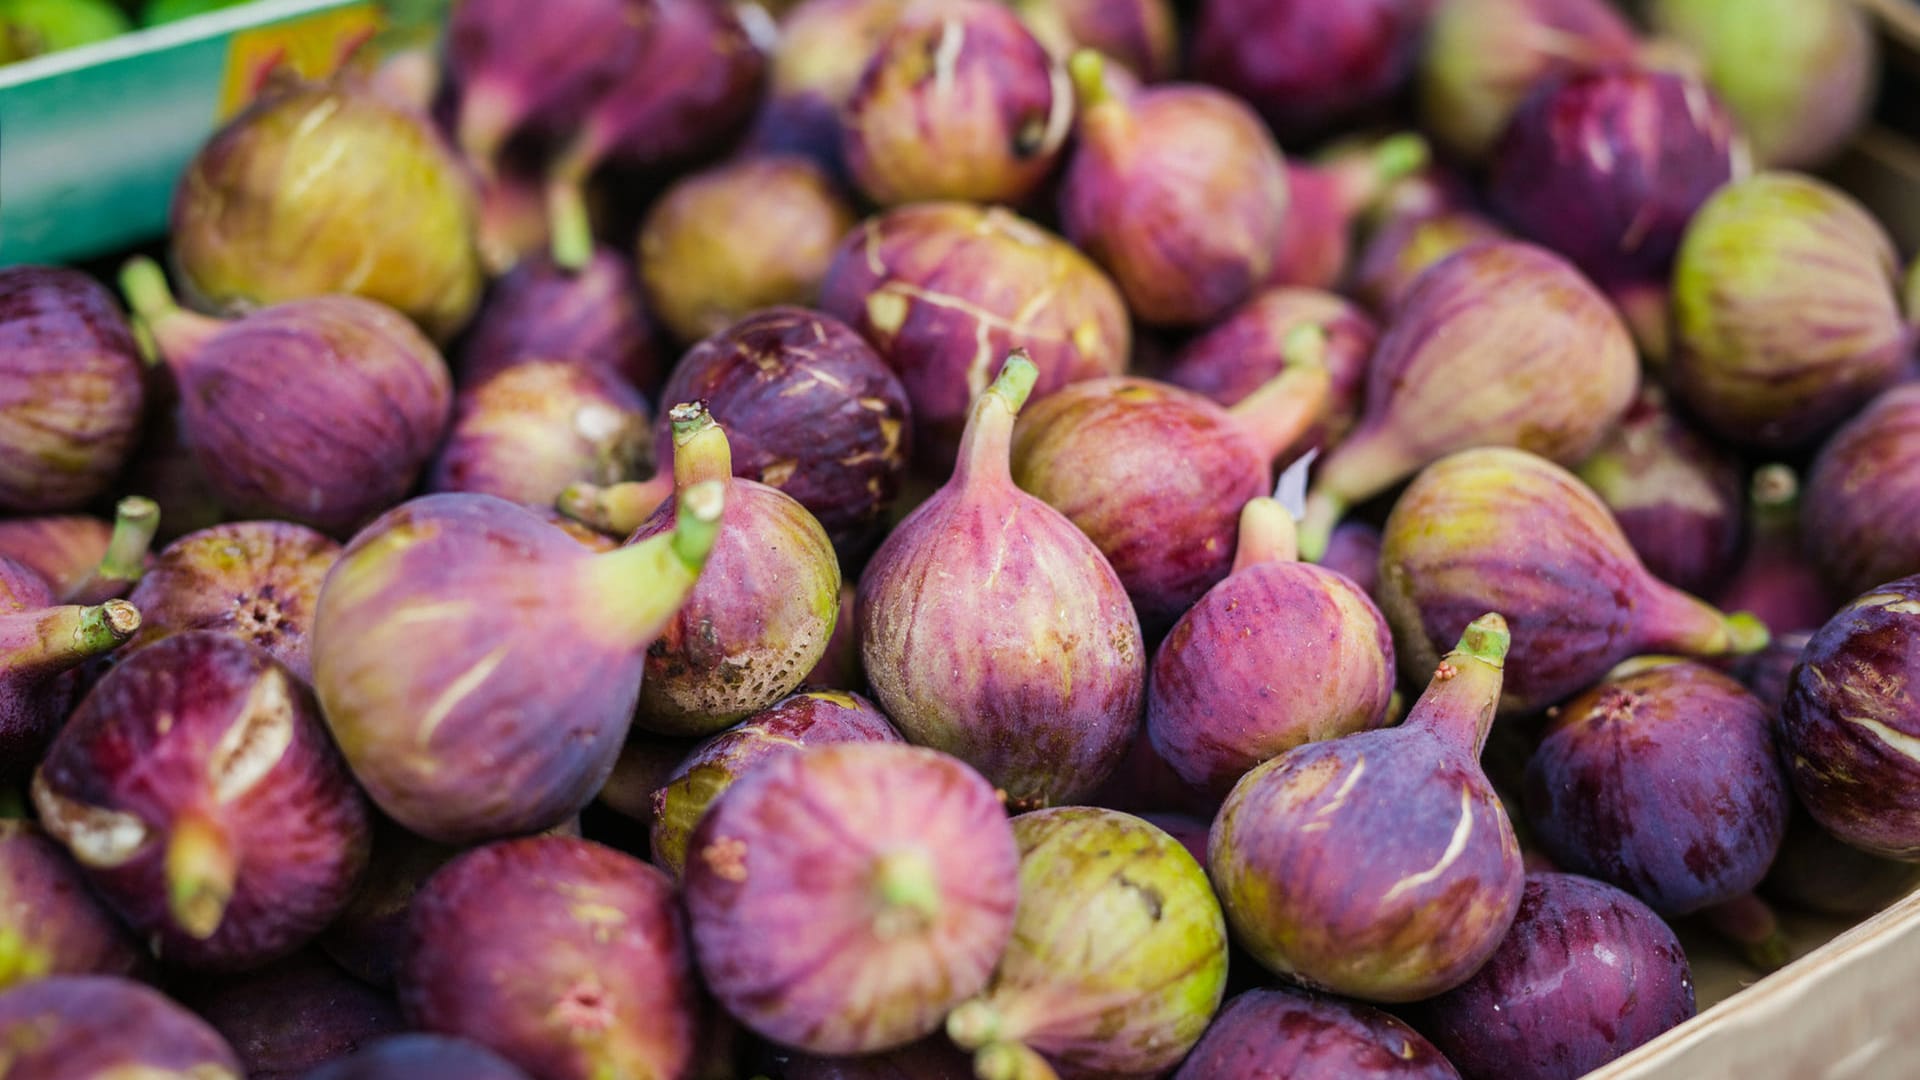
(70, 389)
(419, 1057)
(1308, 65)
(1403, 246)
(295, 1015)
(1354, 553)
(63, 550)
(1860, 519)
(1379, 865)
(592, 317)
(1188, 831)
(932, 1058)
(1503, 344)
(1287, 1034)
(993, 629)
(1324, 199)
(823, 49)
(1777, 580)
(1178, 190)
(1498, 528)
(1145, 784)
(1816, 872)
(197, 787)
(320, 411)
(1769, 672)
(163, 467)
(565, 957)
(1586, 974)
(40, 644)
(528, 431)
(87, 1027)
(1139, 35)
(899, 857)
(645, 764)
(50, 922)
(531, 633)
(810, 718)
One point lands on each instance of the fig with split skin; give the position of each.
(1860, 516)
(526, 432)
(50, 921)
(591, 316)
(1327, 196)
(1281, 1033)
(419, 1057)
(294, 1015)
(85, 1027)
(1139, 35)
(1777, 578)
(41, 646)
(1306, 65)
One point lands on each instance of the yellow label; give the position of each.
(313, 47)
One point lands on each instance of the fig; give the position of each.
(319, 411)
(1178, 191)
(1770, 352)
(1279, 1032)
(1218, 703)
(70, 389)
(1859, 517)
(163, 467)
(943, 290)
(1816, 872)
(957, 102)
(992, 628)
(645, 764)
(528, 431)
(1324, 199)
(1503, 344)
(1119, 951)
(1586, 974)
(1354, 553)
(1777, 580)
(1769, 672)
(1139, 35)
(823, 49)
(30, 28)
(839, 666)
(1848, 721)
(1499, 528)
(1440, 876)
(1403, 246)
(84, 1027)
(368, 935)
(533, 634)
(1145, 784)
(1305, 65)
(807, 719)
(50, 923)
(591, 316)
(62, 550)
(40, 644)
(419, 1057)
(295, 1015)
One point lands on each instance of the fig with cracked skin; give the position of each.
(1280, 1032)
(528, 431)
(50, 922)
(1860, 517)
(41, 646)
(591, 316)
(85, 1027)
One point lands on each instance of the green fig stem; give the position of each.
(907, 889)
(1283, 409)
(1747, 921)
(135, 521)
(973, 1025)
(572, 226)
(1672, 621)
(1460, 700)
(1266, 535)
(1773, 500)
(1364, 464)
(165, 331)
(635, 590)
(57, 639)
(615, 509)
(700, 448)
(987, 444)
(201, 871)
(1365, 177)
(1088, 70)
(1011, 1061)
(1323, 514)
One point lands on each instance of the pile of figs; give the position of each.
(1090, 539)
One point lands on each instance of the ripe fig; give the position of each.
(591, 316)
(88, 1027)
(1862, 508)
(63, 550)
(368, 935)
(1815, 871)
(899, 858)
(50, 922)
(1305, 65)
(1280, 1033)
(1379, 865)
(40, 644)
(992, 628)
(1504, 529)
(294, 1015)
(1325, 198)
(822, 50)
(163, 467)
(1769, 672)
(1354, 553)
(528, 431)
(1777, 579)
(1139, 35)
(419, 1057)
(1403, 246)
(533, 634)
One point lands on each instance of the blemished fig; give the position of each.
(1178, 191)
(528, 431)
(319, 411)
(197, 787)
(368, 935)
(1305, 65)
(993, 629)
(1381, 865)
(1279, 654)
(1816, 872)
(1139, 35)
(419, 1057)
(1499, 528)
(1119, 951)
(822, 50)
(71, 393)
(50, 922)
(1786, 311)
(86, 1027)
(1861, 510)
(392, 220)
(1586, 974)
(646, 762)
(41, 643)
(532, 634)
(899, 858)
(794, 723)
(1354, 553)
(1777, 579)
(591, 316)
(294, 1015)
(1280, 1033)
(1502, 344)
(1325, 199)
(1403, 246)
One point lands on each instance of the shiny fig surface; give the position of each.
(1861, 509)
(528, 431)
(50, 921)
(85, 1027)
(1287, 1034)
(591, 316)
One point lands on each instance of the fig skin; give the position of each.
(1526, 537)
(1846, 719)
(591, 316)
(599, 979)
(899, 855)
(82, 1027)
(796, 722)
(822, 51)
(1140, 35)
(294, 1015)
(1777, 579)
(368, 936)
(530, 430)
(1119, 951)
(258, 581)
(1403, 246)
(993, 629)
(62, 549)
(199, 791)
(1280, 1033)
(1586, 974)
(71, 392)
(1354, 553)
(50, 922)
(1305, 65)
(1325, 199)
(419, 1057)
(645, 764)
(1423, 910)
(1816, 872)
(1861, 508)
(42, 646)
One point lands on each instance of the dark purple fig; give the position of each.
(1139, 35)
(993, 629)
(810, 718)
(1178, 191)
(528, 431)
(1786, 311)
(1380, 865)
(592, 317)
(40, 644)
(295, 1015)
(1586, 974)
(319, 411)
(565, 957)
(50, 922)
(1503, 344)
(89, 1027)
(198, 789)
(64, 550)
(845, 898)
(419, 1057)
(822, 50)
(163, 468)
(1287, 1034)
(957, 102)
(1769, 672)
(932, 1058)
(71, 393)
(532, 634)
(646, 762)
(1118, 957)
(1816, 872)
(1280, 654)
(1327, 196)
(1403, 246)
(1498, 528)
(1354, 553)
(1777, 579)
(1849, 725)
(1309, 65)
(1860, 518)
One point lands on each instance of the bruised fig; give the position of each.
(1119, 951)
(1817, 872)
(993, 629)
(40, 644)
(898, 857)
(1777, 580)
(419, 1057)
(197, 787)
(50, 922)
(1324, 199)
(1305, 64)
(1503, 344)
(89, 1027)
(1403, 246)
(1139, 35)
(1280, 1033)
(591, 316)
(1380, 865)
(528, 431)
(1860, 518)
(1502, 528)
(532, 634)
(294, 1015)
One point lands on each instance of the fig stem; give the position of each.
(56, 639)
(1088, 70)
(201, 870)
(1011, 1061)
(1324, 511)
(618, 509)
(1673, 621)
(1361, 466)
(973, 1025)
(700, 448)
(1461, 698)
(1266, 535)
(908, 889)
(1749, 922)
(1774, 500)
(135, 521)
(165, 331)
(1364, 178)
(568, 218)
(636, 589)
(987, 444)
(1280, 411)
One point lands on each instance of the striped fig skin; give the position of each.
(1287, 1034)
(1860, 514)
(70, 389)
(83, 1027)
(50, 922)
(419, 1057)
(592, 316)
(1398, 251)
(64, 549)
(1140, 35)
(530, 430)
